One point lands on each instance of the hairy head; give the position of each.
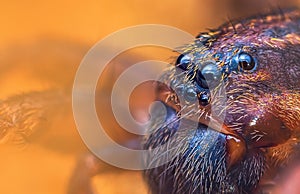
(239, 86)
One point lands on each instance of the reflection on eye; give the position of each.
(209, 75)
(190, 95)
(246, 62)
(183, 61)
(204, 98)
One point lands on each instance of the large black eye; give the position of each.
(209, 75)
(246, 62)
(183, 61)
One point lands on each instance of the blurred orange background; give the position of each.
(41, 46)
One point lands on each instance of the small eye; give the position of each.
(183, 61)
(204, 98)
(190, 95)
(246, 62)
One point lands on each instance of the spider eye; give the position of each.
(209, 75)
(246, 62)
(204, 98)
(183, 61)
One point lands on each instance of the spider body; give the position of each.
(232, 103)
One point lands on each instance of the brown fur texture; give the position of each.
(260, 106)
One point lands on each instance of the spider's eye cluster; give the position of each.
(209, 75)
